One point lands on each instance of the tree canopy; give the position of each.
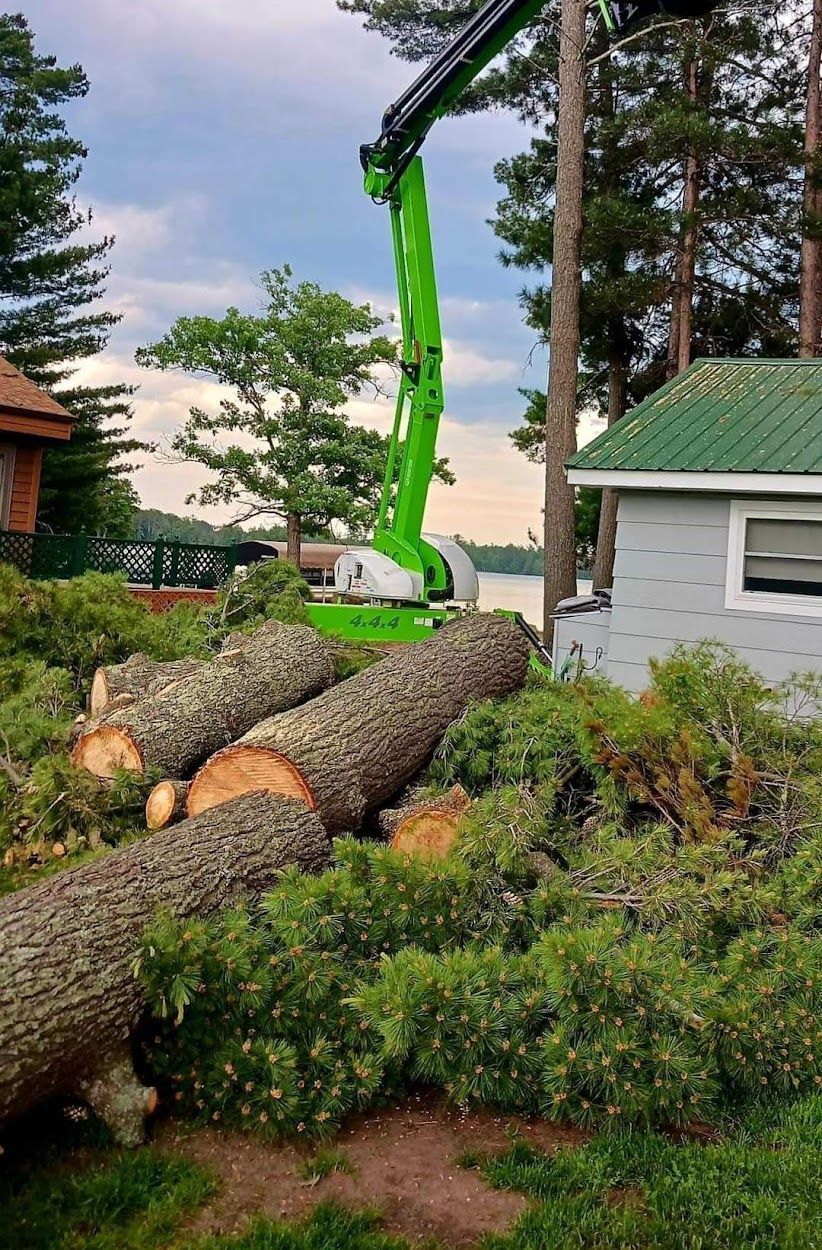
(51, 284)
(282, 443)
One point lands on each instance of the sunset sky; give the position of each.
(223, 139)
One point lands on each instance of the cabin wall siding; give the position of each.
(669, 587)
(25, 488)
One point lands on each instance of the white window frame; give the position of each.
(7, 458)
(739, 600)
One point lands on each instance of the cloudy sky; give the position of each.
(223, 138)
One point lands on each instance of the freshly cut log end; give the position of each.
(428, 835)
(427, 828)
(240, 769)
(106, 750)
(166, 804)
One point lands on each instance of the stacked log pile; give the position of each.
(351, 749)
(174, 725)
(291, 776)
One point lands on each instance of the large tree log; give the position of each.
(135, 677)
(355, 746)
(68, 997)
(177, 728)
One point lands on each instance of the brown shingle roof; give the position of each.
(16, 391)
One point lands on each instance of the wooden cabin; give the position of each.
(30, 422)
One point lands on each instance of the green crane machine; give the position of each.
(408, 582)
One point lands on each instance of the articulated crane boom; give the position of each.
(400, 586)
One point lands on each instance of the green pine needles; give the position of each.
(627, 931)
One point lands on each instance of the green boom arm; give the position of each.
(394, 176)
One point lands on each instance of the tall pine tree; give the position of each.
(51, 285)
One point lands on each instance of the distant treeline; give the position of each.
(150, 523)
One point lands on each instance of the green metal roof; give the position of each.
(721, 416)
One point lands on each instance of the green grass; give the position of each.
(132, 1201)
(325, 1162)
(757, 1190)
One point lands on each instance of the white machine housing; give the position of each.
(367, 574)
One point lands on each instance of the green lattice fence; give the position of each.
(154, 564)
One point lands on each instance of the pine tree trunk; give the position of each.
(682, 304)
(353, 748)
(810, 289)
(561, 419)
(135, 677)
(295, 537)
(69, 1001)
(606, 536)
(276, 667)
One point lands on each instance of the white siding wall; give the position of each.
(591, 631)
(669, 587)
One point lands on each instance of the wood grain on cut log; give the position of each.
(178, 727)
(136, 676)
(166, 804)
(68, 997)
(355, 746)
(427, 828)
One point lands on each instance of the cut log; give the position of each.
(166, 804)
(353, 748)
(427, 828)
(135, 677)
(69, 1000)
(178, 727)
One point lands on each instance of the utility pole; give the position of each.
(561, 418)
(810, 283)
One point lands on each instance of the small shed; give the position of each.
(30, 420)
(719, 521)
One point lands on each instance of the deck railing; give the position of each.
(157, 564)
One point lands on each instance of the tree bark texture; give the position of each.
(166, 804)
(294, 538)
(810, 287)
(606, 534)
(135, 677)
(69, 1000)
(348, 751)
(682, 303)
(174, 730)
(563, 376)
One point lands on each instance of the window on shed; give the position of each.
(775, 557)
(783, 556)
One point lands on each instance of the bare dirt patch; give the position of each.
(404, 1162)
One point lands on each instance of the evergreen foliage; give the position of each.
(51, 282)
(617, 937)
(52, 638)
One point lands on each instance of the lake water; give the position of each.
(517, 593)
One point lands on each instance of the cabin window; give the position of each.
(775, 557)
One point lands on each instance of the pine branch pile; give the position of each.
(627, 930)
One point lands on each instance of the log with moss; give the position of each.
(353, 748)
(177, 728)
(69, 1000)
